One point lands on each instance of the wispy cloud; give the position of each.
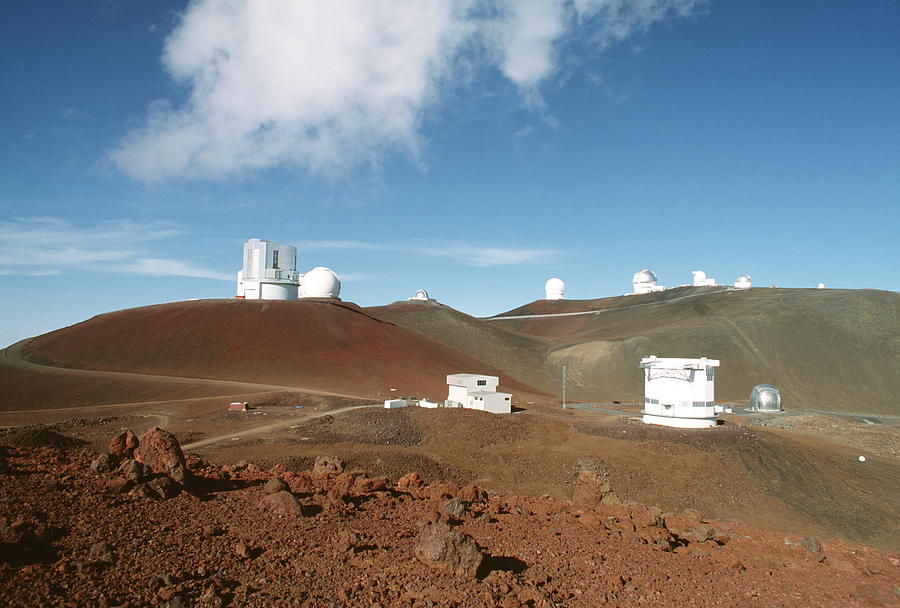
(43, 246)
(468, 254)
(328, 86)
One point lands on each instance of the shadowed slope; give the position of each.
(318, 345)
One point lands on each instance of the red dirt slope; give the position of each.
(317, 345)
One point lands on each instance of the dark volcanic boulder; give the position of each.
(160, 451)
(443, 547)
(328, 465)
(283, 503)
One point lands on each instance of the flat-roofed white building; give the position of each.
(477, 392)
(680, 392)
(269, 271)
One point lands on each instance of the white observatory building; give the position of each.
(680, 392)
(644, 281)
(554, 289)
(701, 280)
(421, 296)
(765, 398)
(743, 282)
(320, 282)
(477, 392)
(269, 272)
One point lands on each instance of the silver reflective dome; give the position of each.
(765, 398)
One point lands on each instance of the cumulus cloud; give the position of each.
(46, 246)
(328, 86)
(468, 254)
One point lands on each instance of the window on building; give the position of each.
(710, 373)
(275, 259)
(481, 382)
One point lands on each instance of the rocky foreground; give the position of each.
(143, 525)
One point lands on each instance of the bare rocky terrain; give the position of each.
(80, 530)
(545, 507)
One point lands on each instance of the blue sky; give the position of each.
(473, 148)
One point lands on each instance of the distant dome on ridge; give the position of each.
(320, 282)
(554, 289)
(743, 282)
(644, 276)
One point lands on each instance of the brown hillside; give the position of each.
(519, 356)
(825, 349)
(317, 345)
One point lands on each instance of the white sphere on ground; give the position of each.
(644, 276)
(320, 282)
(554, 289)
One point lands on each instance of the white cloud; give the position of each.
(327, 86)
(44, 246)
(470, 255)
(158, 268)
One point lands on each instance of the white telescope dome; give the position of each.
(320, 282)
(644, 276)
(743, 282)
(554, 289)
(421, 294)
(765, 398)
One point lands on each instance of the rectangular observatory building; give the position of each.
(269, 271)
(680, 392)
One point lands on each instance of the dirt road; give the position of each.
(272, 427)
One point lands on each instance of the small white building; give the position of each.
(269, 271)
(320, 282)
(743, 282)
(393, 403)
(680, 392)
(701, 280)
(428, 404)
(554, 289)
(477, 392)
(644, 281)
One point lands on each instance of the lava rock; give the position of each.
(275, 485)
(328, 465)
(134, 470)
(590, 489)
(456, 507)
(410, 481)
(160, 451)
(448, 549)
(105, 463)
(282, 503)
(103, 552)
(164, 487)
(123, 445)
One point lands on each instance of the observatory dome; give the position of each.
(765, 398)
(421, 294)
(743, 282)
(644, 276)
(554, 289)
(320, 283)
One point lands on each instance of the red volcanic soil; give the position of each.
(72, 537)
(321, 345)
